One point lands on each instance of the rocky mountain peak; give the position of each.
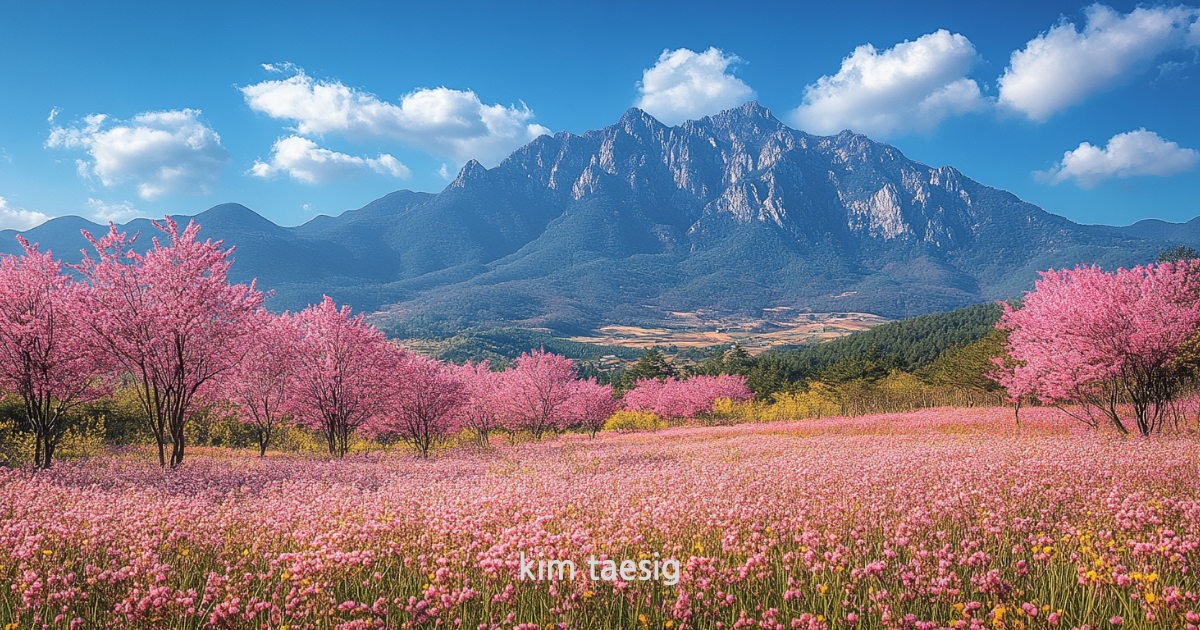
(471, 171)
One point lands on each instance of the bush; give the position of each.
(84, 440)
(16, 445)
(818, 402)
(293, 439)
(632, 421)
(218, 425)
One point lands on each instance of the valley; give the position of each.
(782, 326)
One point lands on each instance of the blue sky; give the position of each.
(116, 110)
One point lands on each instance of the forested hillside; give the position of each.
(910, 343)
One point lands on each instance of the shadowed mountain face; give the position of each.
(735, 213)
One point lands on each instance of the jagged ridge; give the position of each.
(733, 212)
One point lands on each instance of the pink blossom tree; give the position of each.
(425, 404)
(43, 357)
(591, 404)
(1092, 341)
(168, 319)
(534, 393)
(680, 399)
(645, 394)
(344, 375)
(262, 383)
(481, 411)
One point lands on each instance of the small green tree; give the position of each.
(738, 361)
(967, 367)
(652, 365)
(1177, 254)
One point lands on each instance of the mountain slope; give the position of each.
(735, 212)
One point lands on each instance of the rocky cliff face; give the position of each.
(747, 166)
(734, 212)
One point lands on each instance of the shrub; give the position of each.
(633, 421)
(16, 446)
(84, 440)
(295, 439)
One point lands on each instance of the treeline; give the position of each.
(907, 344)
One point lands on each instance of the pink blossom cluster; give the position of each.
(1094, 340)
(943, 518)
(685, 398)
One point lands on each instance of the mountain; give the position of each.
(731, 213)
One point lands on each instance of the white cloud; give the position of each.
(912, 86)
(19, 219)
(442, 121)
(278, 67)
(686, 85)
(164, 153)
(114, 212)
(1130, 154)
(1063, 66)
(303, 160)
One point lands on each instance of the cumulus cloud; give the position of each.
(301, 159)
(686, 85)
(163, 153)
(1130, 154)
(19, 219)
(1063, 66)
(442, 121)
(912, 86)
(114, 212)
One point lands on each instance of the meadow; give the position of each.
(938, 518)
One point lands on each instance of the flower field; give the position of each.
(938, 518)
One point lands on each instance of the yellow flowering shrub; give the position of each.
(631, 421)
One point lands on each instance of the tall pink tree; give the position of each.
(591, 404)
(168, 319)
(43, 357)
(481, 411)
(262, 383)
(679, 399)
(1091, 341)
(345, 373)
(425, 404)
(534, 393)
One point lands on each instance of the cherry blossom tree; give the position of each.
(262, 383)
(591, 404)
(481, 410)
(679, 399)
(169, 320)
(645, 395)
(344, 375)
(534, 393)
(1092, 341)
(424, 406)
(43, 357)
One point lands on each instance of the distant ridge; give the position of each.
(734, 212)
